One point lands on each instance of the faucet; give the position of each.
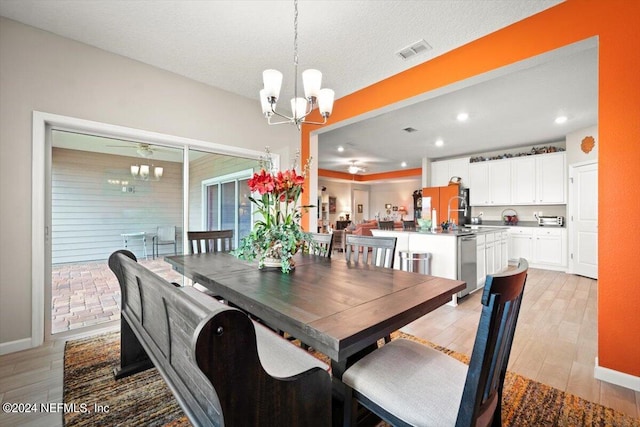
(463, 206)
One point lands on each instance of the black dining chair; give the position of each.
(386, 225)
(377, 250)
(409, 225)
(321, 244)
(409, 384)
(210, 241)
(201, 242)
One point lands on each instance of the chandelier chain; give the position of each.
(295, 50)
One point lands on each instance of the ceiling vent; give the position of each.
(410, 130)
(418, 47)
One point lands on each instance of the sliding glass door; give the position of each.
(219, 193)
(228, 206)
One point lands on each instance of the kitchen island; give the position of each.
(491, 253)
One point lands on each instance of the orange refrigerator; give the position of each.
(437, 198)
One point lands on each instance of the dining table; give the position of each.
(338, 308)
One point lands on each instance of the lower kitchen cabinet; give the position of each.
(504, 250)
(481, 260)
(542, 247)
(549, 247)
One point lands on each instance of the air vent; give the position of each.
(418, 47)
(410, 130)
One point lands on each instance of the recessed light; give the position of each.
(462, 117)
(403, 164)
(561, 119)
(340, 149)
(439, 143)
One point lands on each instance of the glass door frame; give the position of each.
(235, 177)
(42, 126)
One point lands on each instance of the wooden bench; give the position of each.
(222, 368)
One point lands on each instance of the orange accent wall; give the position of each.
(404, 173)
(615, 23)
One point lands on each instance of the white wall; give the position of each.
(43, 72)
(90, 210)
(575, 154)
(397, 194)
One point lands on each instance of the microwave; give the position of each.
(553, 221)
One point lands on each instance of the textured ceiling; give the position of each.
(228, 44)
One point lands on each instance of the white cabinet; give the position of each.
(539, 180)
(490, 253)
(504, 250)
(481, 267)
(523, 180)
(551, 178)
(542, 247)
(549, 247)
(490, 183)
(442, 171)
(530, 180)
(479, 184)
(440, 174)
(520, 243)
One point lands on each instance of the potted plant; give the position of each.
(277, 234)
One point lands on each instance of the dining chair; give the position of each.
(201, 242)
(377, 250)
(410, 384)
(321, 244)
(409, 225)
(338, 240)
(165, 235)
(385, 225)
(210, 241)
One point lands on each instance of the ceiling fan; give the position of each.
(143, 149)
(354, 169)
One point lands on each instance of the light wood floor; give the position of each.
(555, 344)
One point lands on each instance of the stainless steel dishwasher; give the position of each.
(467, 270)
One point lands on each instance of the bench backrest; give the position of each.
(207, 353)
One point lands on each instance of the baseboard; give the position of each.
(615, 377)
(13, 346)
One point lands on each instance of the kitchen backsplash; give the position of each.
(525, 213)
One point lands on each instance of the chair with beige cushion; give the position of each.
(410, 384)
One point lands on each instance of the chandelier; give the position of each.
(300, 107)
(142, 172)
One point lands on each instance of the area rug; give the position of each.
(93, 397)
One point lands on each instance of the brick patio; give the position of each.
(86, 294)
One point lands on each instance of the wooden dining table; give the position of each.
(337, 307)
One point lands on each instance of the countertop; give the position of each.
(448, 233)
(519, 224)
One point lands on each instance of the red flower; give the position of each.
(262, 182)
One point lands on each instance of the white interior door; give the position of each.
(583, 196)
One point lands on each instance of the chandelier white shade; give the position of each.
(141, 172)
(300, 107)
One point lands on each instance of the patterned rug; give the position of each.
(143, 399)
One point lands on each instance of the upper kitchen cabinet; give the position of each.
(539, 180)
(490, 183)
(442, 171)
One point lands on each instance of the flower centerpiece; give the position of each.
(277, 234)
